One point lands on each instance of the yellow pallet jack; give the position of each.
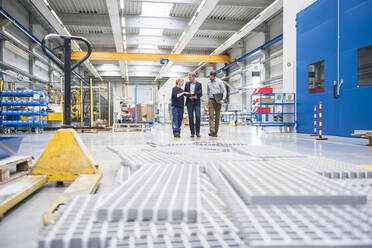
(64, 159)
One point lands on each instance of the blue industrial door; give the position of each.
(317, 28)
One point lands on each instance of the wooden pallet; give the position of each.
(129, 127)
(364, 134)
(23, 166)
(90, 130)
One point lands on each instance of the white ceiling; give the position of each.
(95, 20)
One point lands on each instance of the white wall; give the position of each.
(273, 29)
(290, 10)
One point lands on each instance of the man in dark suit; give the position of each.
(193, 104)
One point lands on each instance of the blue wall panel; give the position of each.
(317, 40)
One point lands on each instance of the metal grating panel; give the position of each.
(157, 192)
(305, 226)
(329, 168)
(132, 30)
(88, 29)
(197, 241)
(263, 182)
(76, 226)
(183, 10)
(132, 7)
(265, 226)
(266, 152)
(200, 33)
(136, 158)
(81, 6)
(234, 13)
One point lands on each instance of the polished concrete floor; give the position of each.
(21, 225)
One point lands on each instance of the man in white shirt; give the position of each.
(216, 97)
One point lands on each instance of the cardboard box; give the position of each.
(145, 113)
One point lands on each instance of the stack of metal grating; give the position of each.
(220, 194)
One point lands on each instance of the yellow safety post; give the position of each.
(13, 86)
(109, 105)
(62, 109)
(81, 105)
(91, 103)
(1, 85)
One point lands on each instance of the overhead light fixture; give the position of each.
(151, 31)
(56, 16)
(122, 22)
(124, 31)
(200, 6)
(182, 35)
(122, 4)
(156, 9)
(147, 46)
(192, 20)
(46, 2)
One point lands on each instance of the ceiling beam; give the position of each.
(134, 40)
(175, 23)
(113, 10)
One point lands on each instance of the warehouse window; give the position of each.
(316, 77)
(365, 66)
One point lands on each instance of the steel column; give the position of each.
(91, 102)
(81, 105)
(109, 104)
(67, 71)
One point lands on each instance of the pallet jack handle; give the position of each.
(66, 67)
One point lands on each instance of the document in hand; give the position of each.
(218, 97)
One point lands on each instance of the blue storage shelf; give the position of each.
(21, 93)
(278, 109)
(20, 123)
(10, 113)
(22, 103)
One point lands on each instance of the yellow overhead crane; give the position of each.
(153, 57)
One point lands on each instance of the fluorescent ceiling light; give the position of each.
(149, 31)
(121, 4)
(56, 16)
(123, 22)
(201, 5)
(148, 46)
(156, 9)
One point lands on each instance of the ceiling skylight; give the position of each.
(151, 31)
(156, 9)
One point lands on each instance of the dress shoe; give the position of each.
(198, 135)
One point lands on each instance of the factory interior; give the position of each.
(185, 123)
